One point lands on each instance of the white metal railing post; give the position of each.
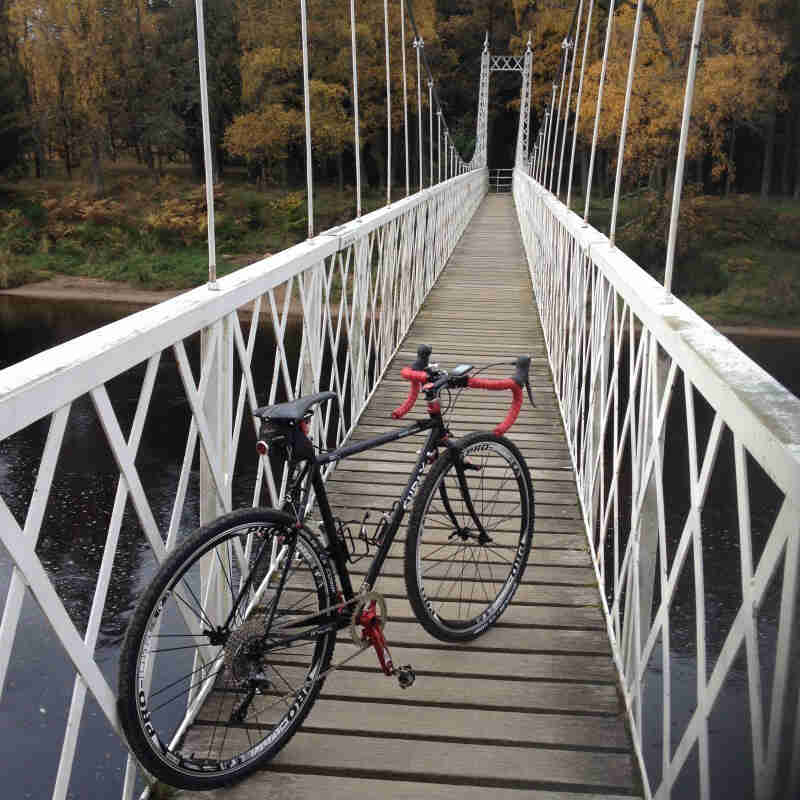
(677, 188)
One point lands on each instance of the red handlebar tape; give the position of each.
(418, 378)
(496, 386)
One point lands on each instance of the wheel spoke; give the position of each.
(243, 681)
(473, 574)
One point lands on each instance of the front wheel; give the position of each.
(207, 691)
(469, 537)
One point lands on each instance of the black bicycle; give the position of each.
(230, 644)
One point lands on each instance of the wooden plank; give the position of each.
(308, 786)
(468, 725)
(487, 765)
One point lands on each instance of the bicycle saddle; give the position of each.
(293, 411)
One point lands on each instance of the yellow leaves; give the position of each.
(738, 79)
(265, 133)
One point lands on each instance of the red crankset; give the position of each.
(370, 616)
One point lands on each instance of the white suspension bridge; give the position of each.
(535, 708)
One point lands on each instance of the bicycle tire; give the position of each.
(441, 555)
(159, 682)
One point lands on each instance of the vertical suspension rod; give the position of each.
(430, 126)
(207, 161)
(357, 138)
(307, 110)
(439, 143)
(624, 127)
(388, 105)
(405, 90)
(578, 102)
(574, 48)
(687, 111)
(606, 48)
(419, 44)
(565, 45)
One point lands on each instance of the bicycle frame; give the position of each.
(336, 546)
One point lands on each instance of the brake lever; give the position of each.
(530, 394)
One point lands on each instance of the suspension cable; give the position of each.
(307, 110)
(355, 107)
(405, 91)
(388, 105)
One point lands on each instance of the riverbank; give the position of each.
(75, 288)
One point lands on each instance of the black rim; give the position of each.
(465, 576)
(256, 691)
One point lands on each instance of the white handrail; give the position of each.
(595, 302)
(357, 289)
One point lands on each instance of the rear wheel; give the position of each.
(205, 696)
(463, 564)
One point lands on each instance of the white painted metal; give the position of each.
(405, 91)
(574, 48)
(307, 113)
(357, 287)
(439, 144)
(565, 46)
(356, 134)
(418, 45)
(388, 104)
(207, 160)
(606, 48)
(578, 102)
(523, 126)
(679, 167)
(595, 303)
(508, 64)
(430, 129)
(623, 132)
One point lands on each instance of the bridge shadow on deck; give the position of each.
(530, 708)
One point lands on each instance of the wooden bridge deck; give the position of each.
(530, 709)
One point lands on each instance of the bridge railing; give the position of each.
(501, 180)
(662, 412)
(354, 291)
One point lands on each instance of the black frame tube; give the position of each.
(337, 548)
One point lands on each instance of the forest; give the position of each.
(100, 97)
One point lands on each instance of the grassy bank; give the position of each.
(152, 234)
(738, 258)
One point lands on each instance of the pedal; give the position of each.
(405, 676)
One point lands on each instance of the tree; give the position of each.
(13, 97)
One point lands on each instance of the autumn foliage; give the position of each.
(92, 80)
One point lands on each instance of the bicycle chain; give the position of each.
(361, 601)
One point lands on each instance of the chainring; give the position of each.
(362, 602)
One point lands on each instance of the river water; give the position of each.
(33, 710)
